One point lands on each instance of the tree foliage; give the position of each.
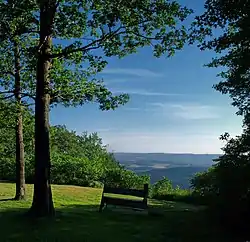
(98, 30)
(231, 20)
(162, 188)
(225, 187)
(77, 159)
(224, 28)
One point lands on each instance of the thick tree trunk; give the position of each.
(20, 164)
(42, 198)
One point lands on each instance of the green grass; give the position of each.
(78, 220)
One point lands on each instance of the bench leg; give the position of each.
(101, 206)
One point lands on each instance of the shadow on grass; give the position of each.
(7, 199)
(85, 223)
(185, 198)
(6, 181)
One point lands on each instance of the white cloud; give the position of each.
(164, 143)
(168, 142)
(117, 80)
(103, 130)
(188, 111)
(143, 92)
(132, 109)
(132, 72)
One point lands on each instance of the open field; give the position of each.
(78, 219)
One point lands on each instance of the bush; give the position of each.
(226, 186)
(204, 187)
(120, 177)
(164, 190)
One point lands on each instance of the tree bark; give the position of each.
(20, 163)
(42, 198)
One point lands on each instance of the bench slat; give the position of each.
(131, 192)
(125, 202)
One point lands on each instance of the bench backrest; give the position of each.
(132, 192)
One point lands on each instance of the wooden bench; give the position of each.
(133, 203)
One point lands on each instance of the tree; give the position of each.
(117, 29)
(225, 187)
(232, 19)
(86, 145)
(18, 74)
(12, 80)
(18, 35)
(229, 178)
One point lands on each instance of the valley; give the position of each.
(179, 168)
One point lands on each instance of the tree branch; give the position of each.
(58, 3)
(6, 92)
(4, 98)
(28, 105)
(145, 37)
(8, 73)
(104, 37)
(23, 94)
(87, 47)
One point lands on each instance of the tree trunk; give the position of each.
(42, 198)
(20, 164)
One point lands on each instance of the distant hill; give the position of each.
(178, 175)
(179, 168)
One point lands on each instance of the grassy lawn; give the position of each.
(78, 220)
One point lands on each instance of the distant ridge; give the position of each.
(178, 167)
(168, 153)
(169, 158)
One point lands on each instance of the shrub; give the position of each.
(120, 177)
(162, 188)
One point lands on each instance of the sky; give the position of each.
(172, 109)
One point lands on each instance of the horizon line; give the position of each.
(175, 153)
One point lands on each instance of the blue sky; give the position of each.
(172, 106)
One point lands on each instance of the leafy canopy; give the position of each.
(87, 33)
(224, 27)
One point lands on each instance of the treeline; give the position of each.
(76, 159)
